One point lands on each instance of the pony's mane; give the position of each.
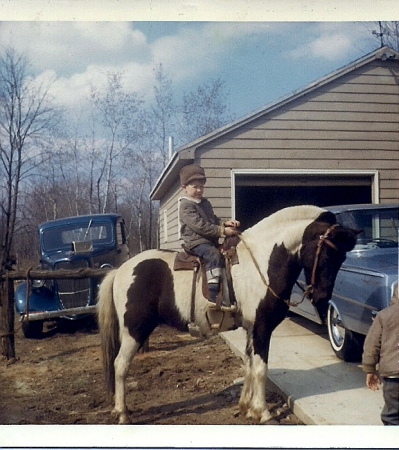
(287, 224)
(292, 213)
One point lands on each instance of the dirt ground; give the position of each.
(181, 381)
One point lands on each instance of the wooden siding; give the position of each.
(171, 207)
(349, 124)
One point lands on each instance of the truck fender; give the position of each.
(41, 299)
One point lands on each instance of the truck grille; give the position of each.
(73, 293)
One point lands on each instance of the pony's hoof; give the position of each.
(124, 419)
(258, 415)
(243, 407)
(121, 417)
(266, 416)
(252, 415)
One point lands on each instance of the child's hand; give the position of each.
(232, 223)
(372, 381)
(230, 231)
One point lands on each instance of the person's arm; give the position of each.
(371, 354)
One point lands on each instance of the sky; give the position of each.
(260, 61)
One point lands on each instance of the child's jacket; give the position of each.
(199, 225)
(382, 342)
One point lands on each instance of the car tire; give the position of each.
(346, 344)
(33, 329)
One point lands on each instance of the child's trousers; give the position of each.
(213, 265)
(390, 412)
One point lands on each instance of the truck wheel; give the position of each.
(347, 344)
(33, 329)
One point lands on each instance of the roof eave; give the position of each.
(168, 176)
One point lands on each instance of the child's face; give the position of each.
(195, 190)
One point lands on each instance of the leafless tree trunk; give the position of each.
(25, 117)
(163, 114)
(116, 111)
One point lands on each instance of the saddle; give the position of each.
(186, 260)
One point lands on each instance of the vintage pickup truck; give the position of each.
(91, 241)
(366, 280)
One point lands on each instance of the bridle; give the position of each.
(323, 239)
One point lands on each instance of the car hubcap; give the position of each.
(337, 331)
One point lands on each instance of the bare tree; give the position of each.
(388, 34)
(162, 113)
(116, 111)
(143, 163)
(205, 109)
(26, 116)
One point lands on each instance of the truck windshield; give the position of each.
(61, 238)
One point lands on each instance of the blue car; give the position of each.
(92, 241)
(366, 280)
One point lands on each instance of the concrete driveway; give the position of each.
(320, 389)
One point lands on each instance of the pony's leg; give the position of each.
(252, 402)
(247, 392)
(129, 347)
(258, 409)
(270, 314)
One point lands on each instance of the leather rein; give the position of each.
(323, 239)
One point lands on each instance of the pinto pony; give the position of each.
(146, 292)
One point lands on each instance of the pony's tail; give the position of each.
(109, 329)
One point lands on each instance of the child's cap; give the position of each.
(190, 173)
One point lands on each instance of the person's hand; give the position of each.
(230, 231)
(232, 223)
(372, 381)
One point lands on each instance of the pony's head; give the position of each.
(324, 247)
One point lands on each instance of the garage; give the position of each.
(258, 194)
(333, 142)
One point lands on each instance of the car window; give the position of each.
(62, 237)
(378, 225)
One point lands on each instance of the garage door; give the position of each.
(259, 194)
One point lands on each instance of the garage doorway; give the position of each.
(257, 194)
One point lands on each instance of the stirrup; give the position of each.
(221, 307)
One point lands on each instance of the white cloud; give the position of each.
(70, 47)
(329, 41)
(200, 49)
(330, 47)
(79, 54)
(74, 92)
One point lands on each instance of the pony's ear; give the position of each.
(327, 217)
